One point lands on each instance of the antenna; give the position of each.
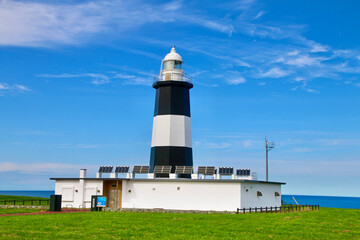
(268, 147)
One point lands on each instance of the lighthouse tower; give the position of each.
(171, 135)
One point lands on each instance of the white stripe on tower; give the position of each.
(171, 130)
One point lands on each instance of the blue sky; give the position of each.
(75, 87)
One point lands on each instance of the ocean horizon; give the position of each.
(323, 201)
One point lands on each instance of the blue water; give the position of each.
(45, 194)
(324, 201)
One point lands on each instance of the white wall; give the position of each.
(77, 193)
(217, 196)
(250, 199)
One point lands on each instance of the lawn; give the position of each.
(22, 200)
(328, 223)
(16, 210)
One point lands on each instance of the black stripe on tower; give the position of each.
(172, 97)
(171, 156)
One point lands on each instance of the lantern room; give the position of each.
(172, 67)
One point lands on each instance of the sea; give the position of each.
(323, 201)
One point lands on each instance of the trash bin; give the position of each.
(55, 203)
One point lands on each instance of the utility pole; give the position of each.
(268, 147)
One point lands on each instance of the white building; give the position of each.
(216, 194)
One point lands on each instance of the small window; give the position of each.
(259, 194)
(178, 65)
(277, 194)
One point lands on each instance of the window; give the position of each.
(178, 65)
(259, 194)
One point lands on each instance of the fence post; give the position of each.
(5, 202)
(271, 209)
(32, 202)
(255, 209)
(244, 210)
(275, 208)
(266, 209)
(260, 209)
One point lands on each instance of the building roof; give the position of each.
(173, 180)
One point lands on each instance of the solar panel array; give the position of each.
(184, 170)
(162, 169)
(206, 170)
(141, 169)
(122, 169)
(226, 170)
(105, 169)
(243, 172)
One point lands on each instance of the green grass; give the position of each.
(17, 210)
(328, 223)
(19, 200)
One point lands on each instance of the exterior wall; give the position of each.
(77, 193)
(249, 198)
(175, 195)
(216, 196)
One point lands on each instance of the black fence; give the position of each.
(287, 208)
(28, 202)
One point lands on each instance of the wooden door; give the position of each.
(114, 194)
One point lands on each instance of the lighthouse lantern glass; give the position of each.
(178, 65)
(171, 64)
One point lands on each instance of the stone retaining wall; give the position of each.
(160, 210)
(25, 207)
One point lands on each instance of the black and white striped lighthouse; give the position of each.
(171, 136)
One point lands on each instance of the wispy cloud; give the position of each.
(274, 72)
(43, 24)
(34, 168)
(12, 89)
(105, 78)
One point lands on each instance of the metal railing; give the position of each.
(29, 202)
(288, 208)
(186, 78)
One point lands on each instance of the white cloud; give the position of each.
(275, 72)
(304, 60)
(101, 79)
(299, 79)
(319, 48)
(44, 23)
(236, 81)
(261, 13)
(41, 167)
(12, 89)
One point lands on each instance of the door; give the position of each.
(114, 194)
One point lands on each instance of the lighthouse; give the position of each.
(171, 135)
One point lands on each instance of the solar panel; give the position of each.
(105, 169)
(184, 170)
(205, 170)
(122, 169)
(243, 172)
(226, 170)
(141, 169)
(162, 169)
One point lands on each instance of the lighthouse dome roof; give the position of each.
(173, 55)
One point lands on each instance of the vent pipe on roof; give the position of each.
(82, 173)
